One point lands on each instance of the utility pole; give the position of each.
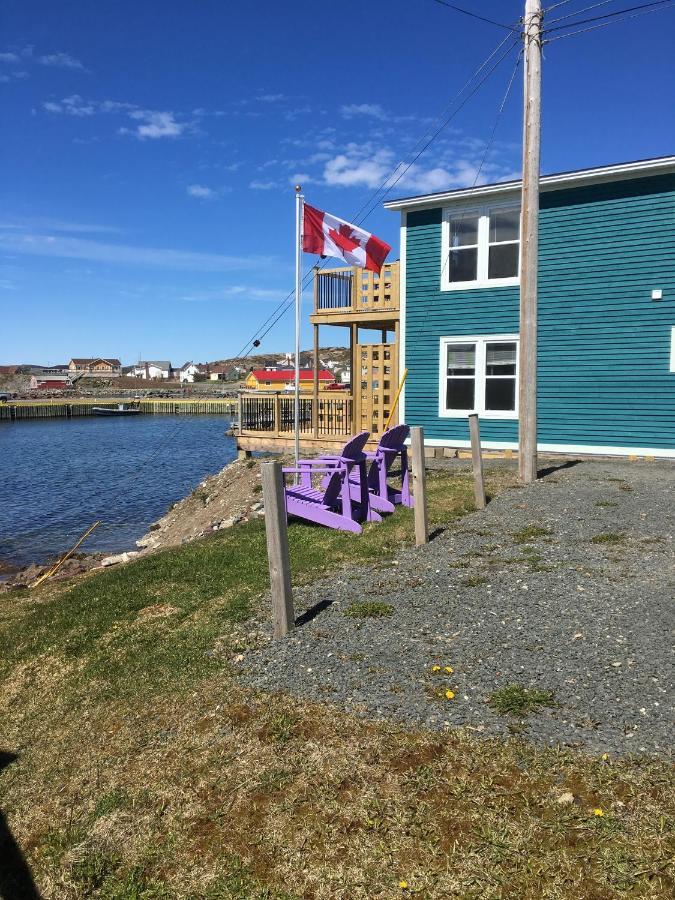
(529, 245)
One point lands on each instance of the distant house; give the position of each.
(48, 379)
(187, 372)
(95, 366)
(606, 323)
(152, 369)
(219, 373)
(284, 379)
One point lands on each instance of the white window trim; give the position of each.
(672, 349)
(480, 340)
(482, 281)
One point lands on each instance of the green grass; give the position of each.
(531, 533)
(474, 581)
(608, 537)
(516, 700)
(146, 771)
(369, 609)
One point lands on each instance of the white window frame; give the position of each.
(672, 349)
(482, 280)
(481, 341)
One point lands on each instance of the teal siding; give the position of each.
(604, 344)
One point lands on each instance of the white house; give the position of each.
(187, 372)
(152, 368)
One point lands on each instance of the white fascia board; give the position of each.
(581, 449)
(620, 172)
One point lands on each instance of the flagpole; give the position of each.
(298, 300)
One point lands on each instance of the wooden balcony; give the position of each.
(266, 420)
(349, 296)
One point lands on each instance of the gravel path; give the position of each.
(549, 609)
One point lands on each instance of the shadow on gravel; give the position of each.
(542, 473)
(312, 612)
(16, 880)
(437, 532)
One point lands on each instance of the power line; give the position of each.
(605, 24)
(384, 186)
(474, 15)
(577, 12)
(371, 202)
(411, 163)
(644, 7)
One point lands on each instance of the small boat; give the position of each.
(119, 410)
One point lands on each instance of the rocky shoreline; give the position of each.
(220, 501)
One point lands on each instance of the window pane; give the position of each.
(460, 393)
(461, 359)
(500, 394)
(505, 225)
(463, 231)
(503, 261)
(463, 265)
(500, 359)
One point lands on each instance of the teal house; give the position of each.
(606, 336)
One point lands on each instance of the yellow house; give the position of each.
(284, 379)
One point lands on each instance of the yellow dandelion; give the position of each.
(605, 757)
(450, 695)
(435, 668)
(598, 812)
(403, 885)
(448, 669)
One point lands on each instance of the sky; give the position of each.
(149, 149)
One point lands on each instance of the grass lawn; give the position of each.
(145, 770)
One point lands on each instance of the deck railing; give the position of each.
(355, 290)
(273, 413)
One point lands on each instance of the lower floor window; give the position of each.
(479, 375)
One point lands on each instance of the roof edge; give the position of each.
(597, 175)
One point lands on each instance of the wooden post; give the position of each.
(283, 616)
(529, 245)
(477, 460)
(355, 375)
(277, 413)
(419, 486)
(315, 403)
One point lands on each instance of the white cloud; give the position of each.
(270, 98)
(201, 191)
(358, 167)
(61, 61)
(122, 254)
(238, 292)
(157, 124)
(352, 110)
(71, 106)
(262, 185)
(58, 226)
(153, 124)
(9, 57)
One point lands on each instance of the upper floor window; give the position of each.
(481, 247)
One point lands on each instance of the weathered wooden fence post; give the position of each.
(283, 615)
(477, 460)
(419, 486)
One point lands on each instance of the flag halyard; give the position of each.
(327, 235)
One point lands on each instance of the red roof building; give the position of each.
(284, 379)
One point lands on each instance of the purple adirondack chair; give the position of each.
(337, 504)
(383, 496)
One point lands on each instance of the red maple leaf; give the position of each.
(343, 238)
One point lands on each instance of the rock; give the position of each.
(565, 799)
(119, 558)
(256, 507)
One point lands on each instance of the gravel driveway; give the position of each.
(565, 586)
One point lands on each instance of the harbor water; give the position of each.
(61, 475)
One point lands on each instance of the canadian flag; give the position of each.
(327, 235)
